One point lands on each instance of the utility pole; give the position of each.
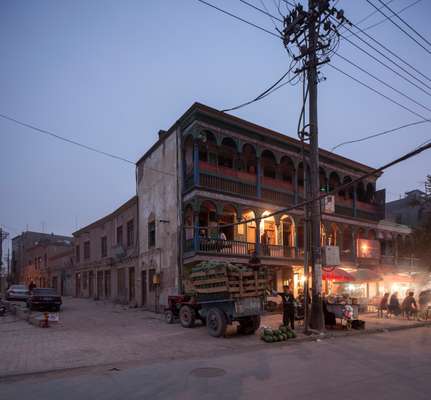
(314, 35)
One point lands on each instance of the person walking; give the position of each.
(31, 286)
(289, 305)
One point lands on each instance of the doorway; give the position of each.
(131, 284)
(90, 284)
(144, 288)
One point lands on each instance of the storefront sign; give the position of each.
(368, 248)
(331, 256)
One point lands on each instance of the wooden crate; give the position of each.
(236, 283)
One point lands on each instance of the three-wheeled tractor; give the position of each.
(219, 294)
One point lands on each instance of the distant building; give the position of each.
(23, 252)
(410, 210)
(106, 256)
(61, 269)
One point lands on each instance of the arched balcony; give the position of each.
(228, 165)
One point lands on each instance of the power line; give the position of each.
(406, 23)
(368, 27)
(387, 49)
(264, 93)
(368, 16)
(70, 141)
(386, 65)
(383, 82)
(386, 132)
(266, 12)
(399, 27)
(239, 18)
(377, 92)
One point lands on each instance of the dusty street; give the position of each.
(393, 366)
(96, 333)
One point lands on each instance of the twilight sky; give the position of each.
(112, 73)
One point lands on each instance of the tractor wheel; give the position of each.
(169, 317)
(216, 322)
(187, 316)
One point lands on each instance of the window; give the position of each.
(77, 253)
(152, 234)
(151, 274)
(104, 246)
(130, 233)
(120, 235)
(86, 250)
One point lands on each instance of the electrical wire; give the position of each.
(386, 132)
(379, 93)
(265, 93)
(368, 16)
(239, 18)
(266, 12)
(383, 82)
(386, 65)
(406, 23)
(84, 146)
(403, 60)
(368, 27)
(399, 27)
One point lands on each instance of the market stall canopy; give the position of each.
(337, 275)
(366, 275)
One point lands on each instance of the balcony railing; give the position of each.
(237, 248)
(227, 185)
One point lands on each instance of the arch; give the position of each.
(370, 192)
(189, 222)
(208, 148)
(301, 174)
(323, 181)
(334, 181)
(347, 193)
(248, 230)
(227, 152)
(360, 234)
(188, 154)
(228, 216)
(208, 219)
(333, 235)
(269, 164)
(287, 231)
(268, 231)
(360, 192)
(249, 158)
(347, 241)
(287, 169)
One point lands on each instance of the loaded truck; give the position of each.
(219, 293)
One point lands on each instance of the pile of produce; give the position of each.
(277, 335)
(211, 265)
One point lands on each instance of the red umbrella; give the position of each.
(337, 275)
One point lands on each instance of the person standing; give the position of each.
(31, 286)
(394, 304)
(383, 305)
(289, 304)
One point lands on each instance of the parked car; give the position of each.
(17, 292)
(44, 298)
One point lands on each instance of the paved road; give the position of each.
(395, 365)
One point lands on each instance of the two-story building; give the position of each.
(211, 169)
(106, 256)
(39, 266)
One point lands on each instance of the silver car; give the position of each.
(17, 292)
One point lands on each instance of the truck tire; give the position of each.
(187, 316)
(216, 322)
(169, 317)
